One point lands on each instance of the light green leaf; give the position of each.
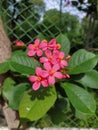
(82, 61)
(21, 63)
(7, 88)
(80, 98)
(65, 43)
(90, 79)
(35, 104)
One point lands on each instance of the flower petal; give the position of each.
(38, 71)
(43, 45)
(30, 46)
(36, 86)
(47, 66)
(64, 63)
(44, 73)
(39, 52)
(44, 83)
(48, 53)
(61, 54)
(37, 41)
(32, 78)
(58, 75)
(43, 59)
(56, 67)
(51, 80)
(31, 53)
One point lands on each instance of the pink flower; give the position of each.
(34, 48)
(53, 72)
(60, 59)
(18, 43)
(52, 44)
(44, 45)
(38, 79)
(49, 58)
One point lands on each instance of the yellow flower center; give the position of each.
(35, 46)
(61, 57)
(50, 57)
(58, 46)
(52, 72)
(45, 41)
(39, 78)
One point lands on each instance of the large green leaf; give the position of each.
(90, 79)
(65, 43)
(21, 63)
(82, 61)
(4, 67)
(80, 98)
(7, 88)
(16, 95)
(35, 104)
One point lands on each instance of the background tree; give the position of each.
(90, 7)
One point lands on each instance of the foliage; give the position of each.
(51, 102)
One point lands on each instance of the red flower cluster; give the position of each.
(53, 63)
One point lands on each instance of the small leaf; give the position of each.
(4, 67)
(35, 104)
(90, 79)
(80, 98)
(21, 63)
(65, 43)
(82, 61)
(7, 88)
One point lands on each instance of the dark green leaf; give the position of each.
(82, 61)
(16, 95)
(35, 104)
(80, 98)
(58, 112)
(65, 43)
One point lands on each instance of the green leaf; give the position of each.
(58, 112)
(35, 104)
(16, 95)
(7, 88)
(82, 61)
(81, 115)
(65, 43)
(21, 63)
(80, 98)
(90, 79)
(4, 67)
